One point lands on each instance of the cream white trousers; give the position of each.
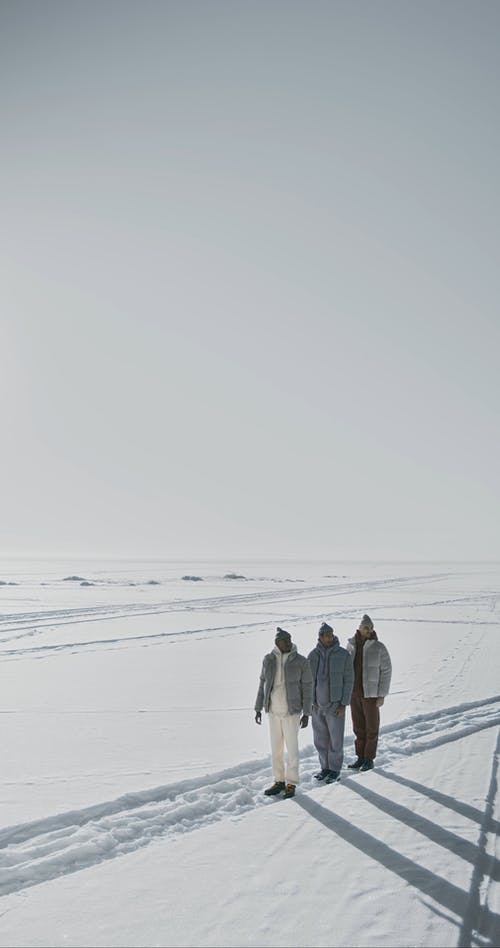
(285, 731)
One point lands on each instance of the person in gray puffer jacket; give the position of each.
(372, 679)
(333, 678)
(285, 692)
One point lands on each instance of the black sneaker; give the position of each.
(289, 790)
(366, 765)
(332, 776)
(356, 764)
(277, 787)
(321, 775)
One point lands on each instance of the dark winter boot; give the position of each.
(366, 765)
(332, 776)
(290, 790)
(322, 774)
(356, 764)
(277, 787)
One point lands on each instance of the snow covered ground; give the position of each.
(132, 771)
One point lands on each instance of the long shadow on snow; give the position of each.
(470, 852)
(470, 812)
(253, 775)
(477, 917)
(480, 926)
(450, 896)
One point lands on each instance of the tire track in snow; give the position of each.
(18, 622)
(39, 651)
(32, 853)
(94, 614)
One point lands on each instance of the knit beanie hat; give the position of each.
(324, 627)
(366, 622)
(282, 634)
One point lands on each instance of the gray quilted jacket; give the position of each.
(298, 683)
(377, 667)
(340, 670)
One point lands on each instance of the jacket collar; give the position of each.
(292, 652)
(321, 650)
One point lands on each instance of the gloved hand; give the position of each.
(258, 717)
(340, 711)
(379, 702)
(304, 721)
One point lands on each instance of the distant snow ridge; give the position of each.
(31, 853)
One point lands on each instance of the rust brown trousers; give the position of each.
(365, 724)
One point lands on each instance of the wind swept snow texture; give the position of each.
(133, 773)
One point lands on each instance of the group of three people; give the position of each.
(291, 687)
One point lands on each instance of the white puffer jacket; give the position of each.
(377, 668)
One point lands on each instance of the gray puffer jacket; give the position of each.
(377, 667)
(340, 670)
(298, 683)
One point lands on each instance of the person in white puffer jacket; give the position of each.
(372, 679)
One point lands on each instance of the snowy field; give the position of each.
(132, 808)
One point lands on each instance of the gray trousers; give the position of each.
(328, 735)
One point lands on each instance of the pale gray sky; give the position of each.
(250, 277)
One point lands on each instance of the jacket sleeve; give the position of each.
(311, 658)
(307, 688)
(259, 701)
(385, 672)
(348, 680)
